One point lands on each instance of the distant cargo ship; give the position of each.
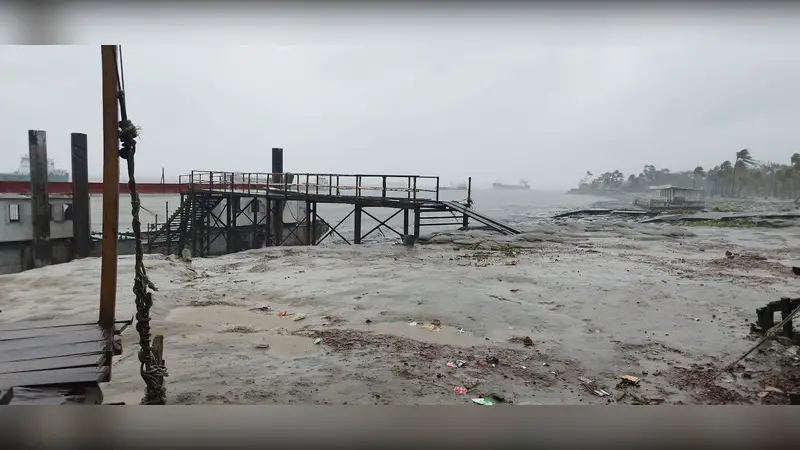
(452, 187)
(521, 185)
(23, 173)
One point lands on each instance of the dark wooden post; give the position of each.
(357, 225)
(229, 223)
(108, 271)
(309, 228)
(417, 214)
(405, 221)
(40, 199)
(465, 223)
(81, 218)
(277, 205)
(314, 223)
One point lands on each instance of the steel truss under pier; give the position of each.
(226, 212)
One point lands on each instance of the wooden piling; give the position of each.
(108, 271)
(357, 225)
(41, 253)
(81, 218)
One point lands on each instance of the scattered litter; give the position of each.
(460, 362)
(460, 330)
(696, 319)
(493, 360)
(431, 328)
(498, 397)
(436, 322)
(369, 321)
(451, 364)
(263, 346)
(317, 341)
(763, 394)
(528, 341)
(460, 390)
(514, 290)
(413, 324)
(545, 364)
(629, 380)
(523, 367)
(482, 363)
(773, 389)
(512, 263)
(592, 386)
(482, 401)
(282, 313)
(299, 317)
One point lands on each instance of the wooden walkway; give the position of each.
(55, 362)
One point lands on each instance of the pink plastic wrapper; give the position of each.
(460, 390)
(451, 364)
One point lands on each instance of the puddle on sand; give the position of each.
(445, 336)
(287, 346)
(219, 316)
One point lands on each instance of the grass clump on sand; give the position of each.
(738, 223)
(726, 209)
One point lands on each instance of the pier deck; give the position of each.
(245, 210)
(55, 362)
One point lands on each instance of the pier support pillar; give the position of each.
(80, 214)
(232, 233)
(277, 205)
(405, 221)
(417, 215)
(309, 238)
(357, 225)
(40, 200)
(314, 223)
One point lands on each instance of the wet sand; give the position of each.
(597, 301)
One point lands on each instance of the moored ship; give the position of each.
(23, 173)
(523, 184)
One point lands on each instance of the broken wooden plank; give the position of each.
(54, 341)
(58, 362)
(30, 324)
(54, 377)
(46, 331)
(82, 348)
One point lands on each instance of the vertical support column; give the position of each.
(40, 199)
(268, 221)
(314, 223)
(277, 205)
(309, 238)
(254, 211)
(405, 221)
(81, 219)
(357, 225)
(108, 272)
(417, 214)
(786, 310)
(465, 218)
(229, 226)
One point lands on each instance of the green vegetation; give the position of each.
(725, 209)
(745, 177)
(507, 250)
(738, 223)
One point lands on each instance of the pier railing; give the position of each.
(410, 187)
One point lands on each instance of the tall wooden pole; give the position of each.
(108, 274)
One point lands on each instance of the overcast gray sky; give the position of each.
(491, 99)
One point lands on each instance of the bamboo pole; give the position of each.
(108, 273)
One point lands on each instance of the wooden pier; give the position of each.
(244, 210)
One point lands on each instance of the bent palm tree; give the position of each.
(743, 160)
(698, 172)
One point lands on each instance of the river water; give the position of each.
(519, 208)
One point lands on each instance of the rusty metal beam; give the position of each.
(40, 199)
(108, 273)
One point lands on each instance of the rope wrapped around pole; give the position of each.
(152, 370)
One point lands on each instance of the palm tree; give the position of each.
(698, 172)
(743, 160)
(795, 160)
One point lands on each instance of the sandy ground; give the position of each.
(596, 301)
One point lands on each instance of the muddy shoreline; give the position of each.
(597, 301)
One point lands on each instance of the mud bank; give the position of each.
(597, 301)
